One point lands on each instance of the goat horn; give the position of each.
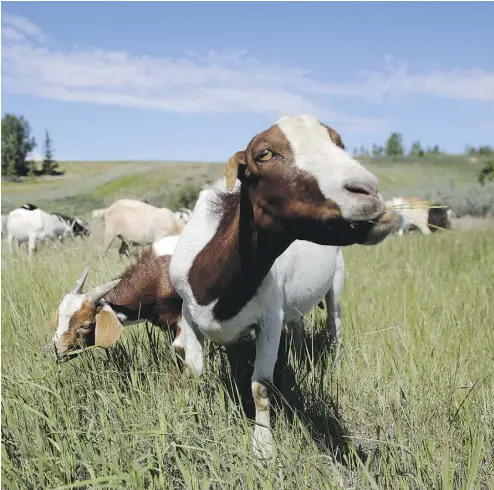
(77, 289)
(98, 292)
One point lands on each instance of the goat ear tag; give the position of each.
(108, 329)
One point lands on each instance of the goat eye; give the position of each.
(84, 328)
(264, 156)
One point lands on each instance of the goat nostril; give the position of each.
(359, 189)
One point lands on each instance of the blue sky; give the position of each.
(195, 81)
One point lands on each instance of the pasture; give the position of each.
(410, 405)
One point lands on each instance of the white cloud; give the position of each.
(399, 80)
(231, 81)
(22, 26)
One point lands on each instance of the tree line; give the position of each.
(17, 143)
(395, 148)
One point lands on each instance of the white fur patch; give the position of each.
(70, 304)
(332, 167)
(165, 246)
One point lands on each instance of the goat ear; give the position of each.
(54, 319)
(232, 168)
(108, 328)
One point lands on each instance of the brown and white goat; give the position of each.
(143, 292)
(426, 219)
(295, 185)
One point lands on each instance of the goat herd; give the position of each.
(261, 248)
(134, 222)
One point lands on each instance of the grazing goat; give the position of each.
(136, 223)
(295, 183)
(143, 292)
(31, 224)
(421, 217)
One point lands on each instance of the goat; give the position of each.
(143, 292)
(426, 220)
(295, 182)
(136, 223)
(31, 224)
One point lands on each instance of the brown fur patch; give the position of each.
(85, 314)
(80, 331)
(335, 137)
(146, 292)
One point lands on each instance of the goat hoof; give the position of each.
(263, 445)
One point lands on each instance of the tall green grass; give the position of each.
(411, 405)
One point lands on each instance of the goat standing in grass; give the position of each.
(33, 225)
(136, 223)
(295, 183)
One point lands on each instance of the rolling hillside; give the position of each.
(88, 185)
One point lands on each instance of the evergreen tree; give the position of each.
(49, 165)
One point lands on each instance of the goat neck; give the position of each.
(237, 258)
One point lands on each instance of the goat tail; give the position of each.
(98, 213)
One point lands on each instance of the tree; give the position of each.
(487, 172)
(17, 143)
(377, 151)
(433, 150)
(49, 165)
(363, 152)
(480, 151)
(394, 146)
(485, 150)
(417, 149)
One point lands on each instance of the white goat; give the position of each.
(296, 183)
(426, 219)
(34, 225)
(136, 222)
(410, 216)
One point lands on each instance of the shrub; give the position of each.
(185, 196)
(487, 172)
(73, 205)
(470, 199)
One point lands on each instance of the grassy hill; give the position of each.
(88, 185)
